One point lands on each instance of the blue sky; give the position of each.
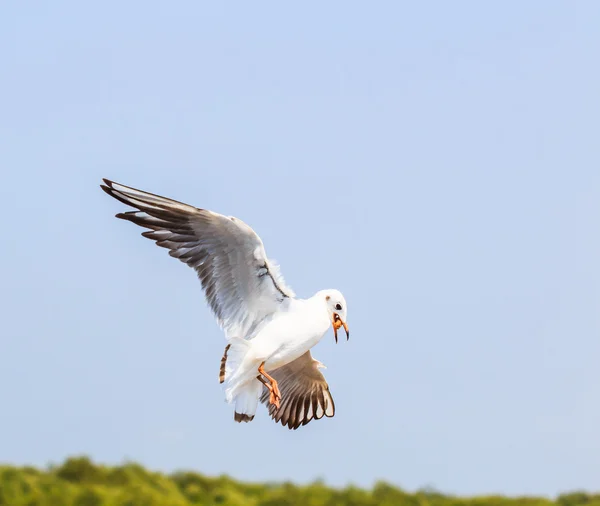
(437, 162)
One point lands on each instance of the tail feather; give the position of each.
(234, 372)
(238, 373)
(246, 401)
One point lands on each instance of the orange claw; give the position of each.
(271, 384)
(274, 399)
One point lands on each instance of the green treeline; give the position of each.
(80, 482)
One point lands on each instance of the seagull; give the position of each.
(269, 331)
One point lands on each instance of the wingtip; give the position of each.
(106, 189)
(109, 186)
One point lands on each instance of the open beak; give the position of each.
(337, 324)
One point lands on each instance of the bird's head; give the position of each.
(337, 309)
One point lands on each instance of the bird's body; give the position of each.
(291, 333)
(270, 332)
(284, 338)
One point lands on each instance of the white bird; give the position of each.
(269, 331)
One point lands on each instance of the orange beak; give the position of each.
(337, 324)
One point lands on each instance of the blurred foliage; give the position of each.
(80, 482)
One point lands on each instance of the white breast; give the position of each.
(292, 334)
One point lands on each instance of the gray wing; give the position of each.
(304, 393)
(241, 285)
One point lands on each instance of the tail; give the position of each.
(239, 375)
(246, 401)
(234, 372)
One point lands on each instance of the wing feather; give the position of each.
(305, 394)
(242, 286)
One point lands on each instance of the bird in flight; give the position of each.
(269, 331)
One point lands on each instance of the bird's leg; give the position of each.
(272, 385)
(272, 398)
(270, 378)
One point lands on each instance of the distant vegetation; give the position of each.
(79, 482)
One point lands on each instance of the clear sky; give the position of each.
(438, 162)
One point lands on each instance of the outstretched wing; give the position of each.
(304, 393)
(241, 285)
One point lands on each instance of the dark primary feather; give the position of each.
(304, 393)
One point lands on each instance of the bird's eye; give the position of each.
(338, 307)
